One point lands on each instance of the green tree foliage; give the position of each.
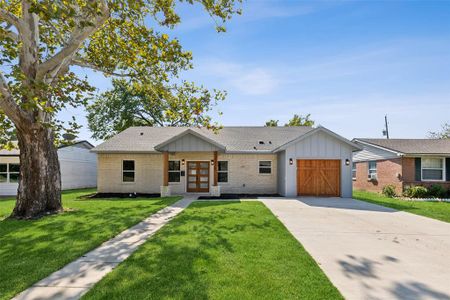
(128, 104)
(42, 40)
(299, 120)
(444, 133)
(272, 123)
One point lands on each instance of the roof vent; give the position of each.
(261, 142)
(141, 133)
(270, 142)
(254, 147)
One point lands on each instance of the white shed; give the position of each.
(78, 168)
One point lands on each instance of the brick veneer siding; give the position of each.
(388, 172)
(409, 175)
(243, 173)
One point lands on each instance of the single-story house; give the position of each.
(401, 162)
(289, 161)
(78, 168)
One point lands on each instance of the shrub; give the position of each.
(416, 192)
(389, 191)
(437, 191)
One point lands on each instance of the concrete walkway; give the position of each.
(75, 279)
(369, 251)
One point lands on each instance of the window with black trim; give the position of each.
(128, 171)
(3, 172)
(9, 173)
(14, 171)
(265, 167)
(222, 171)
(174, 171)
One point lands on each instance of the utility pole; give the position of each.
(386, 127)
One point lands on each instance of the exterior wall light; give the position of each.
(182, 162)
(291, 161)
(347, 162)
(212, 162)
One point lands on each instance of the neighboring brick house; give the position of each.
(288, 161)
(401, 162)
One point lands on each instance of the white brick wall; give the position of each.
(243, 176)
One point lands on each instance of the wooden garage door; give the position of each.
(318, 177)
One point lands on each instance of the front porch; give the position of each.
(190, 172)
(190, 164)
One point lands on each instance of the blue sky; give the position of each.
(347, 63)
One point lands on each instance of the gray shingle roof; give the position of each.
(235, 139)
(16, 151)
(412, 146)
(13, 152)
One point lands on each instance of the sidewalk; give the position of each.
(76, 278)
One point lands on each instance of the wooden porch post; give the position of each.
(165, 168)
(216, 168)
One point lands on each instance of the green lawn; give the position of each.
(435, 210)
(31, 250)
(219, 250)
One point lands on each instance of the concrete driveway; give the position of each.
(369, 251)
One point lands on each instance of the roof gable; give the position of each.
(190, 141)
(352, 145)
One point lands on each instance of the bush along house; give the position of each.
(403, 163)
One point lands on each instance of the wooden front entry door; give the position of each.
(198, 176)
(318, 177)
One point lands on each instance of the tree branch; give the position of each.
(63, 58)
(8, 105)
(11, 19)
(81, 63)
(12, 35)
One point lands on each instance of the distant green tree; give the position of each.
(135, 104)
(272, 123)
(444, 133)
(299, 120)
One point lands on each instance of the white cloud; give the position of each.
(245, 79)
(255, 82)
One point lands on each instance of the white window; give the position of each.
(433, 169)
(174, 171)
(372, 167)
(222, 171)
(354, 171)
(265, 167)
(128, 171)
(9, 173)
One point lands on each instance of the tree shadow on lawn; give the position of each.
(31, 250)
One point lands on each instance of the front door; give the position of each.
(198, 176)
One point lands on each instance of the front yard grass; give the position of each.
(31, 250)
(219, 250)
(436, 210)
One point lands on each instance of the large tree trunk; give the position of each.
(40, 179)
